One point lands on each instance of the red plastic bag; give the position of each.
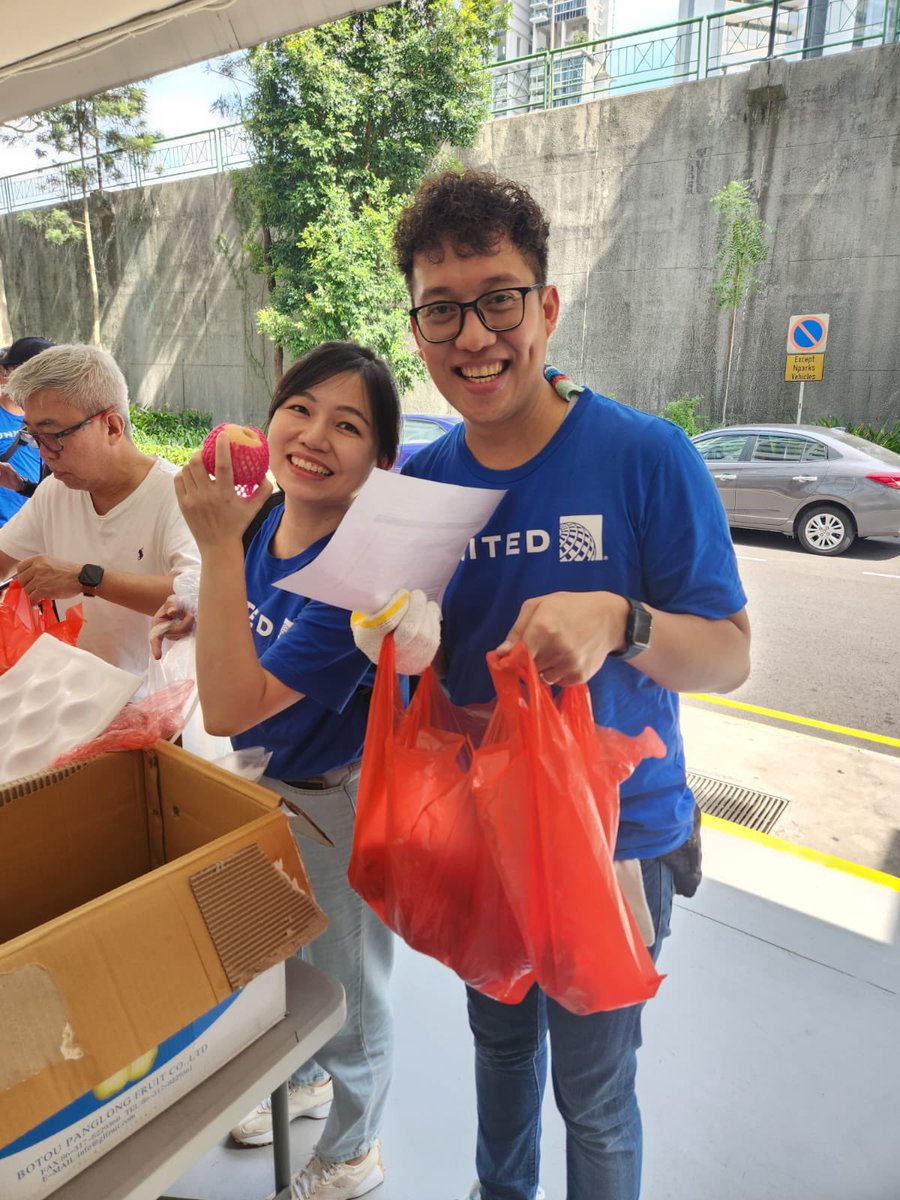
(137, 726)
(491, 849)
(419, 857)
(22, 623)
(546, 781)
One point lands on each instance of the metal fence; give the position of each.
(683, 50)
(570, 74)
(213, 150)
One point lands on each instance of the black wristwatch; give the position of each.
(637, 631)
(90, 577)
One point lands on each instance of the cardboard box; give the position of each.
(137, 892)
(43, 1159)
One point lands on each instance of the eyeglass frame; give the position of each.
(473, 304)
(38, 439)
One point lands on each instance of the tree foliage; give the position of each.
(684, 411)
(741, 247)
(102, 137)
(343, 121)
(741, 243)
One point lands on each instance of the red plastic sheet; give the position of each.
(138, 726)
(490, 849)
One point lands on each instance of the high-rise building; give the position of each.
(537, 27)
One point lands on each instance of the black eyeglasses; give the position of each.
(499, 310)
(54, 441)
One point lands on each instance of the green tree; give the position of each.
(683, 411)
(741, 247)
(105, 135)
(343, 121)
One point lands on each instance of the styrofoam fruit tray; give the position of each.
(53, 699)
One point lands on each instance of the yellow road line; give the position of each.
(817, 856)
(861, 734)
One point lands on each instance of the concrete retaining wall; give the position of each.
(627, 185)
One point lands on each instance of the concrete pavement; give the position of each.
(844, 799)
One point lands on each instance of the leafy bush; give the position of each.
(886, 435)
(683, 412)
(171, 435)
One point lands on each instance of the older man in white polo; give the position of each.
(104, 529)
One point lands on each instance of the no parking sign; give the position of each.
(806, 342)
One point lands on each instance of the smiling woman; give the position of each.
(291, 680)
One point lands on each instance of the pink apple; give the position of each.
(249, 455)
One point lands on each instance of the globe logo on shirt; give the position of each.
(576, 543)
(581, 538)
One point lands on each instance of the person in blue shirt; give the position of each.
(610, 557)
(20, 463)
(291, 680)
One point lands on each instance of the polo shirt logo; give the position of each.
(581, 538)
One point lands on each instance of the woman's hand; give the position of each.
(213, 510)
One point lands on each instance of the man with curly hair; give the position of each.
(610, 557)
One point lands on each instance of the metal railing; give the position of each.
(686, 50)
(585, 70)
(204, 153)
(571, 74)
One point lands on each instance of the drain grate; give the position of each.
(731, 802)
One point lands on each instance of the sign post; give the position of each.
(806, 342)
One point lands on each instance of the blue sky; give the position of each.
(177, 102)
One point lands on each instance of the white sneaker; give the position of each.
(474, 1192)
(304, 1100)
(338, 1181)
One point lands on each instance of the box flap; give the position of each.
(67, 837)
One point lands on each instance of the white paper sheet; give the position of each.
(399, 533)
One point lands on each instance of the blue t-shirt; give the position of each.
(617, 501)
(25, 459)
(308, 646)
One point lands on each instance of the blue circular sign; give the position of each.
(807, 334)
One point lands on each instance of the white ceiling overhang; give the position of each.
(52, 51)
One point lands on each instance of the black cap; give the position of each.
(25, 348)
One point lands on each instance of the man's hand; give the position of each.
(569, 634)
(45, 578)
(212, 509)
(172, 622)
(10, 478)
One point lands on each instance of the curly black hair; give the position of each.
(471, 211)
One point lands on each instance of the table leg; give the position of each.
(281, 1142)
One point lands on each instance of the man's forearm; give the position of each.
(141, 593)
(695, 654)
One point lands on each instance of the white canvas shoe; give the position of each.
(304, 1100)
(338, 1181)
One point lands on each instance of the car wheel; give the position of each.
(826, 529)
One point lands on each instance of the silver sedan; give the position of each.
(823, 486)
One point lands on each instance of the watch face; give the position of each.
(90, 575)
(641, 632)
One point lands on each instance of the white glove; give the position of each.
(415, 622)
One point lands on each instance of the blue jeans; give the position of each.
(357, 949)
(594, 1062)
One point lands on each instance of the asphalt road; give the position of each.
(826, 631)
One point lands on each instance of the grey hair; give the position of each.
(86, 376)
